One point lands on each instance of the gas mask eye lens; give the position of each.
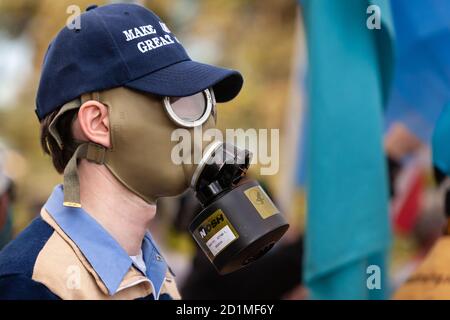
(189, 108)
(190, 111)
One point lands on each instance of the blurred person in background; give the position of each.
(399, 143)
(431, 279)
(6, 201)
(415, 214)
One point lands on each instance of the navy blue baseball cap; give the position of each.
(124, 45)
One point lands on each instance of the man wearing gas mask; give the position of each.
(112, 92)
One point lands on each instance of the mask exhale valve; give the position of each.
(239, 222)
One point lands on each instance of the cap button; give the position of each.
(92, 6)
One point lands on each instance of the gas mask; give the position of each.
(238, 224)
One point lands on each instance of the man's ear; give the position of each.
(93, 123)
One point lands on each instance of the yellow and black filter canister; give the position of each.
(238, 227)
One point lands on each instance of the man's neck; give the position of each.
(122, 213)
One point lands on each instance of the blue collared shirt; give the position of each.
(109, 260)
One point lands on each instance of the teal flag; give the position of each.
(349, 71)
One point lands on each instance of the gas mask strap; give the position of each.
(74, 104)
(90, 151)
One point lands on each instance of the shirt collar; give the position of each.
(109, 260)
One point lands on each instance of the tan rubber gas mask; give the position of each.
(239, 222)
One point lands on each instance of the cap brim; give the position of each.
(189, 77)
